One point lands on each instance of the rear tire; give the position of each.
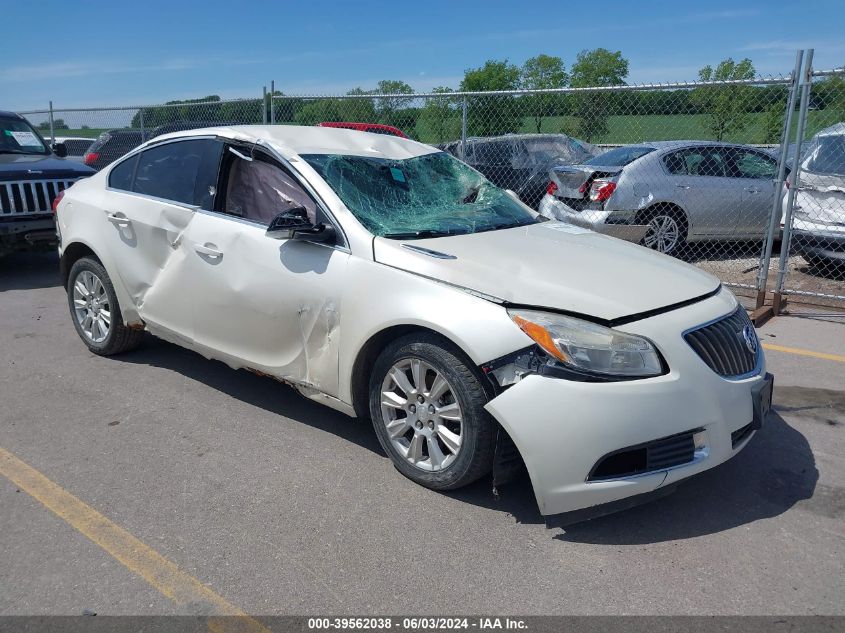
(427, 407)
(667, 230)
(95, 311)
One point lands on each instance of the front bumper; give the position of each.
(562, 428)
(19, 233)
(821, 244)
(593, 219)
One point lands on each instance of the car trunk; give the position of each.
(573, 182)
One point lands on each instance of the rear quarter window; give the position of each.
(121, 175)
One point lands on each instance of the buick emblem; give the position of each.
(750, 338)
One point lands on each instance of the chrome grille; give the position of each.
(27, 197)
(722, 345)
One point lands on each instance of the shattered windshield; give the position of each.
(826, 155)
(426, 196)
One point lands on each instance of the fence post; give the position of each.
(52, 133)
(783, 262)
(777, 202)
(141, 121)
(272, 103)
(264, 105)
(463, 128)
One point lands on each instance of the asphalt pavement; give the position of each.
(281, 506)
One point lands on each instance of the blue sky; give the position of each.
(120, 53)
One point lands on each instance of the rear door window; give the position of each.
(699, 161)
(170, 171)
(749, 164)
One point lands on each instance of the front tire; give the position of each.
(427, 407)
(95, 311)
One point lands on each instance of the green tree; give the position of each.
(727, 107)
(363, 110)
(539, 73)
(320, 110)
(182, 111)
(598, 67)
(396, 111)
(772, 123)
(439, 117)
(496, 114)
(58, 124)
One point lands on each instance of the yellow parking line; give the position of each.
(804, 352)
(134, 554)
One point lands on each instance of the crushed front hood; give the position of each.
(553, 265)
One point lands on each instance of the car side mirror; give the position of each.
(59, 149)
(294, 224)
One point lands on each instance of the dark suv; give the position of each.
(31, 176)
(521, 162)
(113, 144)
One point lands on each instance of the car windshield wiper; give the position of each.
(12, 151)
(415, 235)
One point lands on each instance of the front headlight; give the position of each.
(587, 347)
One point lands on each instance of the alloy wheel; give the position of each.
(663, 234)
(91, 306)
(421, 414)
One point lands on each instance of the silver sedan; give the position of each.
(667, 193)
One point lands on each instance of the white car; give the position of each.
(389, 280)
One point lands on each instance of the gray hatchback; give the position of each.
(667, 193)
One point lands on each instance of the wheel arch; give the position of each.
(373, 346)
(77, 249)
(72, 253)
(666, 205)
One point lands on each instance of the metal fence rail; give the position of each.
(712, 172)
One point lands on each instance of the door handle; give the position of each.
(752, 190)
(208, 250)
(119, 220)
(682, 186)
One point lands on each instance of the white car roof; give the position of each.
(292, 140)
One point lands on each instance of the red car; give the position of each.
(375, 128)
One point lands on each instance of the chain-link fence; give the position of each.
(703, 171)
(811, 264)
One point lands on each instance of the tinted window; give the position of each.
(76, 147)
(121, 176)
(259, 189)
(619, 157)
(170, 171)
(492, 153)
(675, 163)
(754, 165)
(698, 161)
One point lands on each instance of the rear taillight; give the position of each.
(602, 190)
(551, 188)
(583, 188)
(57, 200)
(91, 158)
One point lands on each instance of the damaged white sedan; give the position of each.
(389, 280)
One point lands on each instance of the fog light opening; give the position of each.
(699, 440)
